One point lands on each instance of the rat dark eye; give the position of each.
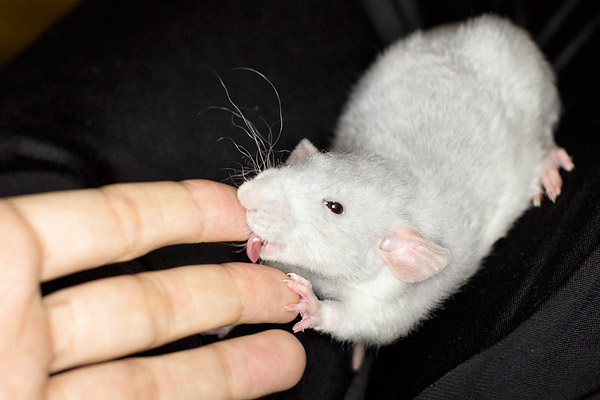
(334, 206)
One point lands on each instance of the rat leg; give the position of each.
(308, 306)
(551, 180)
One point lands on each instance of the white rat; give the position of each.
(442, 145)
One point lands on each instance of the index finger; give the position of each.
(84, 228)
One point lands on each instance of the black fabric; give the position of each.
(124, 91)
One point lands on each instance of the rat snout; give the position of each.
(267, 214)
(253, 195)
(245, 197)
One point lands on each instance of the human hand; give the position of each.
(82, 330)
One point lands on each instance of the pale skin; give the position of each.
(70, 344)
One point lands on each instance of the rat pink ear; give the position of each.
(303, 150)
(411, 257)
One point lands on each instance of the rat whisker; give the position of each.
(276, 94)
(265, 156)
(239, 247)
(270, 150)
(271, 142)
(251, 130)
(237, 176)
(259, 141)
(247, 156)
(220, 108)
(258, 160)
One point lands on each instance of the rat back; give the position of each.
(469, 109)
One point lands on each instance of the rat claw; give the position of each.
(298, 307)
(537, 199)
(298, 279)
(562, 159)
(301, 326)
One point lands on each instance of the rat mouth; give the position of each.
(256, 246)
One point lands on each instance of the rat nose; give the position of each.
(246, 197)
(253, 195)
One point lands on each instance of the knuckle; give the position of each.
(191, 191)
(20, 240)
(126, 216)
(144, 381)
(63, 336)
(245, 290)
(161, 309)
(231, 379)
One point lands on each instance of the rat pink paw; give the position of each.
(551, 180)
(308, 306)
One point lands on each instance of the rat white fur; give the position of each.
(442, 145)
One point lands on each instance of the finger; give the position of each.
(85, 228)
(242, 368)
(158, 307)
(24, 343)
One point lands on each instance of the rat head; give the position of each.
(336, 215)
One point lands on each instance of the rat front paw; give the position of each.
(308, 306)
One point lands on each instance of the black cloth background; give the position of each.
(122, 91)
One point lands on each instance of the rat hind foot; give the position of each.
(308, 306)
(551, 180)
